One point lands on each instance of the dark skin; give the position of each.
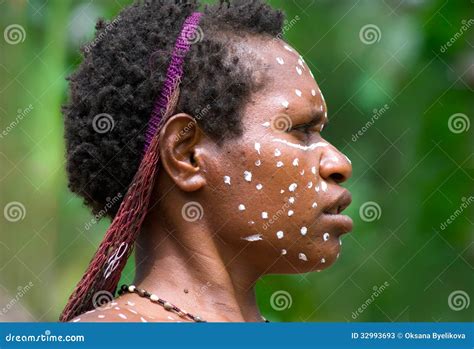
(283, 218)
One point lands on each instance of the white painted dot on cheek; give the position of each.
(310, 185)
(251, 222)
(299, 71)
(280, 234)
(292, 187)
(266, 124)
(265, 215)
(259, 186)
(131, 303)
(302, 172)
(340, 242)
(279, 164)
(248, 176)
(314, 205)
(282, 191)
(303, 230)
(291, 200)
(227, 180)
(117, 308)
(316, 188)
(295, 162)
(298, 93)
(277, 152)
(288, 48)
(313, 169)
(285, 104)
(326, 236)
(255, 237)
(241, 207)
(291, 213)
(257, 148)
(303, 257)
(324, 186)
(283, 252)
(132, 311)
(313, 93)
(300, 62)
(258, 162)
(323, 260)
(322, 127)
(280, 60)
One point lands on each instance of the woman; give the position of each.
(200, 134)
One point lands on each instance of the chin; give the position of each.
(309, 261)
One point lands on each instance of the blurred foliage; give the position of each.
(408, 161)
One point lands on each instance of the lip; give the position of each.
(340, 224)
(332, 213)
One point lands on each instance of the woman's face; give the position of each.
(276, 194)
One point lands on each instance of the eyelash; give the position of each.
(307, 128)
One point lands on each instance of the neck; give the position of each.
(190, 267)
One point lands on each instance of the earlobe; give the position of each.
(180, 143)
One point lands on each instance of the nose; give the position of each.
(334, 166)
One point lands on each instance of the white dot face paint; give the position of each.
(283, 252)
(295, 162)
(132, 311)
(303, 231)
(314, 205)
(122, 316)
(265, 215)
(258, 163)
(257, 148)
(292, 187)
(248, 176)
(291, 213)
(303, 257)
(340, 242)
(280, 60)
(322, 128)
(300, 62)
(101, 316)
(251, 222)
(259, 186)
(266, 124)
(313, 170)
(142, 319)
(313, 93)
(326, 236)
(280, 234)
(316, 188)
(277, 152)
(282, 191)
(285, 104)
(291, 200)
(302, 172)
(227, 180)
(310, 185)
(131, 303)
(299, 71)
(299, 146)
(323, 260)
(77, 320)
(298, 93)
(241, 207)
(280, 164)
(324, 186)
(288, 48)
(255, 237)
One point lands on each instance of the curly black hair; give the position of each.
(113, 91)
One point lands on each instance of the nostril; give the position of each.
(337, 177)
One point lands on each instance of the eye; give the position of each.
(307, 128)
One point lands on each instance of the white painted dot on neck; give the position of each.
(280, 164)
(227, 180)
(313, 92)
(241, 207)
(303, 257)
(280, 60)
(277, 152)
(314, 205)
(123, 316)
(299, 71)
(313, 169)
(310, 185)
(291, 213)
(255, 237)
(248, 176)
(257, 148)
(265, 215)
(326, 236)
(293, 187)
(283, 252)
(285, 104)
(77, 320)
(303, 230)
(324, 186)
(142, 319)
(280, 234)
(266, 124)
(282, 191)
(291, 200)
(259, 186)
(296, 162)
(323, 260)
(101, 316)
(298, 93)
(258, 162)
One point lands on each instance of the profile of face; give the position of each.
(273, 195)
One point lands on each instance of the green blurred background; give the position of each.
(401, 107)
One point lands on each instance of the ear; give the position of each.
(180, 139)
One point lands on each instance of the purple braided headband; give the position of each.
(173, 75)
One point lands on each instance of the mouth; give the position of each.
(339, 205)
(333, 213)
